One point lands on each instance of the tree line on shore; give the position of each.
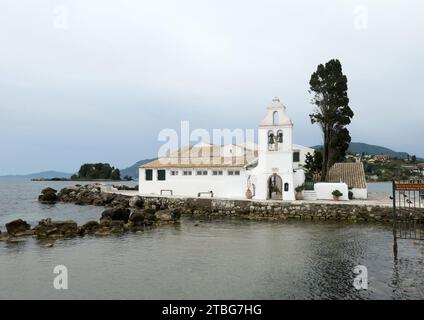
(97, 171)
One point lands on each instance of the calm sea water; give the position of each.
(220, 259)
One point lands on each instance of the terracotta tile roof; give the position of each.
(352, 174)
(207, 156)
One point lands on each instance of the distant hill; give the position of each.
(359, 148)
(39, 175)
(133, 170)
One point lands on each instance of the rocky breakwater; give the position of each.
(122, 214)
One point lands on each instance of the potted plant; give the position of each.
(299, 194)
(350, 195)
(336, 195)
(249, 194)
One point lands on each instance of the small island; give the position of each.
(93, 172)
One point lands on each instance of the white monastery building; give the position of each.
(270, 170)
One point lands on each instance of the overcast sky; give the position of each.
(96, 80)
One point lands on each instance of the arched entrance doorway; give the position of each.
(275, 187)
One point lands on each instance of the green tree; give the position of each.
(97, 171)
(115, 175)
(313, 163)
(339, 145)
(328, 85)
(414, 159)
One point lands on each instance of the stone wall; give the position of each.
(247, 209)
(260, 210)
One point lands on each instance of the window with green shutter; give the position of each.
(149, 174)
(296, 156)
(161, 175)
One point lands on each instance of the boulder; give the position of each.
(149, 215)
(176, 213)
(67, 194)
(89, 227)
(103, 232)
(168, 214)
(48, 198)
(117, 226)
(98, 202)
(48, 190)
(163, 215)
(121, 214)
(120, 201)
(47, 228)
(4, 236)
(85, 197)
(137, 217)
(107, 198)
(17, 227)
(105, 222)
(136, 202)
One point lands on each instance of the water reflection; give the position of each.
(225, 259)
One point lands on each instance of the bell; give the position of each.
(280, 138)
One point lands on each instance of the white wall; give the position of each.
(324, 190)
(224, 186)
(303, 151)
(360, 193)
(299, 178)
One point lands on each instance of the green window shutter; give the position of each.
(161, 175)
(296, 156)
(149, 175)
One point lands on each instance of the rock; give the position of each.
(103, 232)
(176, 212)
(168, 214)
(107, 198)
(66, 194)
(98, 202)
(48, 190)
(4, 236)
(164, 215)
(117, 226)
(17, 227)
(89, 227)
(49, 245)
(51, 229)
(120, 201)
(105, 222)
(138, 217)
(121, 214)
(136, 202)
(48, 198)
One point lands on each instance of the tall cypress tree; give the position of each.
(328, 85)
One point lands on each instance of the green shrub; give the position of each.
(337, 193)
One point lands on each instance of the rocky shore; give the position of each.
(122, 214)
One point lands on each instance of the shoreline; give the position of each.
(377, 210)
(129, 211)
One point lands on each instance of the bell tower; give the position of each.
(275, 153)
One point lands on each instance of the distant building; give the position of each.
(381, 157)
(353, 175)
